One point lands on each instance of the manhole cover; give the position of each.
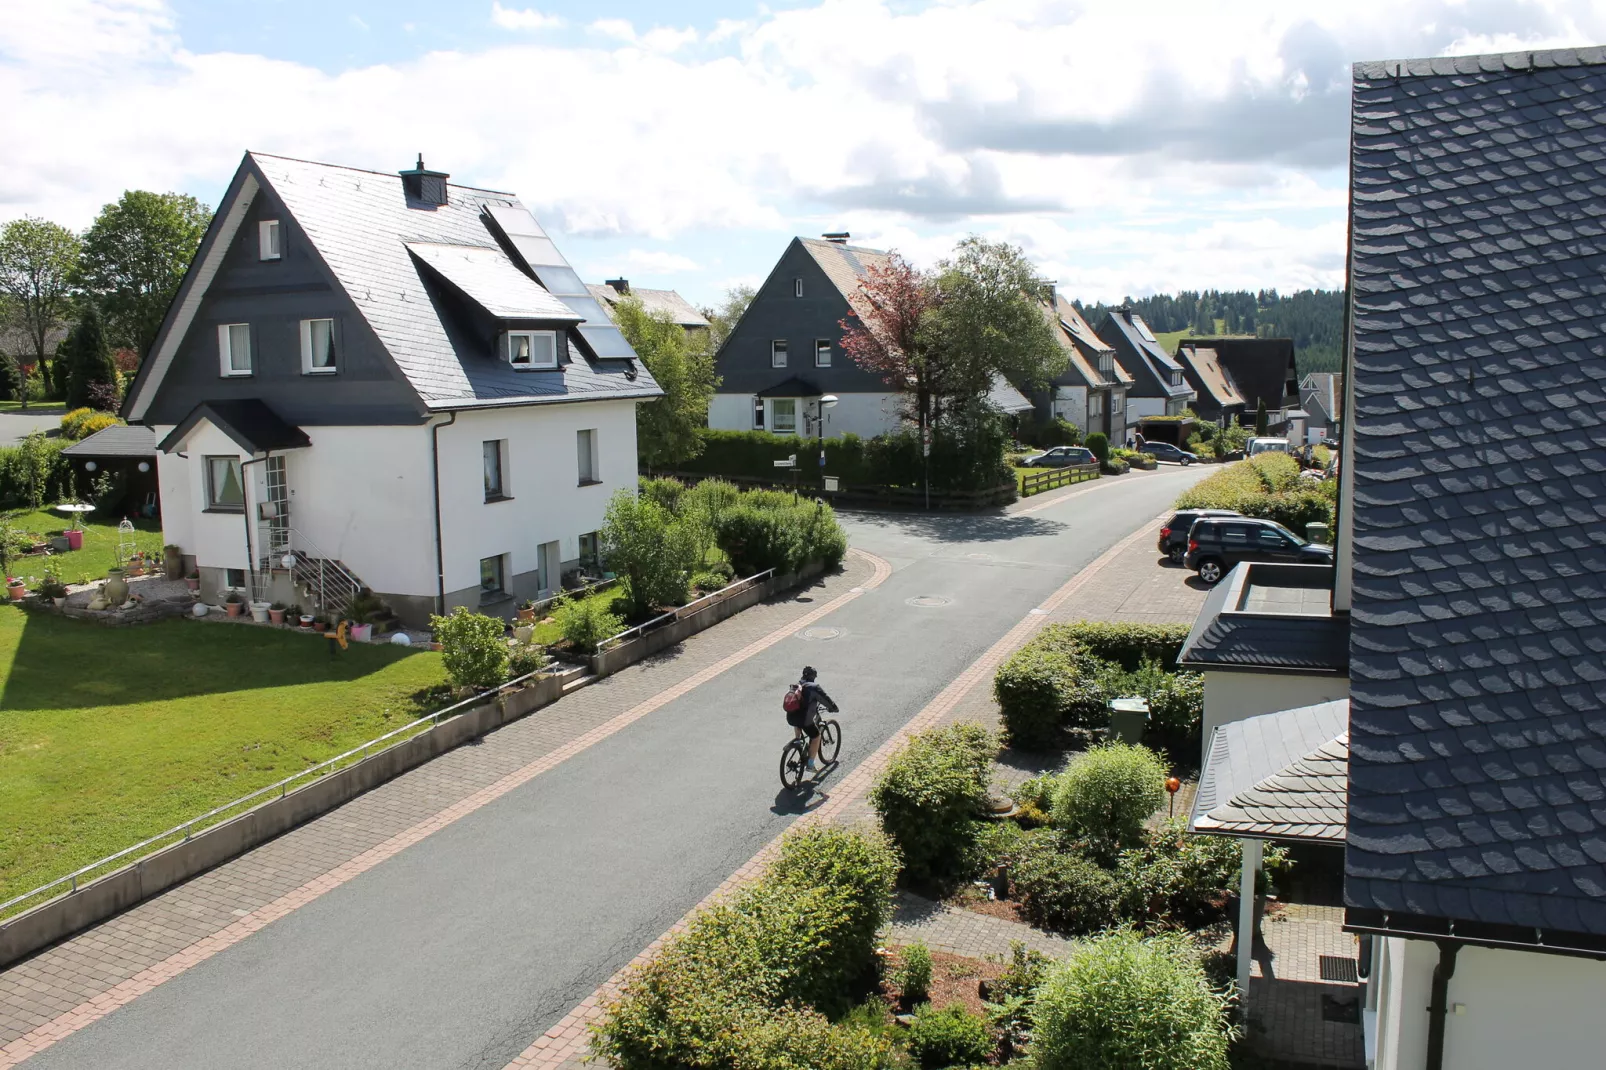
(819, 635)
(1337, 968)
(929, 601)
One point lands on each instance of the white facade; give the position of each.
(1231, 696)
(1070, 404)
(865, 415)
(1508, 1009)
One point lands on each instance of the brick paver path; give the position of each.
(84, 978)
(966, 932)
(1288, 995)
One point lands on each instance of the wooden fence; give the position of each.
(1050, 478)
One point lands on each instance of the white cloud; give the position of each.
(1123, 157)
(658, 261)
(357, 21)
(510, 18)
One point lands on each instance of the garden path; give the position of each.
(966, 932)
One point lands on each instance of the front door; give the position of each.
(550, 563)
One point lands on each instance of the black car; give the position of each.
(1216, 544)
(1174, 535)
(1165, 451)
(1061, 457)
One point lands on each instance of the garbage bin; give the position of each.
(1316, 532)
(1128, 717)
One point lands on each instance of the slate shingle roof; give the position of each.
(1278, 775)
(1207, 375)
(845, 265)
(1260, 367)
(1129, 327)
(118, 441)
(360, 224)
(1237, 628)
(1478, 720)
(1083, 348)
(669, 301)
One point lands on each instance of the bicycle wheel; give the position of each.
(830, 741)
(793, 755)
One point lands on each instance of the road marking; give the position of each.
(126, 992)
(568, 1039)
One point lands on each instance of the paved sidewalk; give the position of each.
(142, 947)
(965, 932)
(1295, 1014)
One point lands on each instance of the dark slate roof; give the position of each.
(1005, 398)
(1277, 776)
(118, 441)
(1239, 626)
(792, 387)
(1261, 368)
(1210, 379)
(1126, 326)
(1478, 697)
(247, 421)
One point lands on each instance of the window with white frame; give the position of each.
(822, 353)
(495, 451)
(590, 556)
(778, 353)
(797, 287)
(234, 578)
(317, 347)
(270, 240)
(532, 349)
(758, 414)
(586, 449)
(225, 490)
(234, 349)
(493, 578)
(1107, 363)
(783, 413)
(1095, 404)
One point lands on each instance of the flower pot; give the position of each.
(362, 632)
(75, 538)
(17, 591)
(320, 626)
(192, 582)
(233, 609)
(115, 589)
(259, 612)
(527, 614)
(173, 563)
(306, 620)
(59, 602)
(276, 616)
(135, 569)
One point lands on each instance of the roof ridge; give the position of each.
(1520, 61)
(253, 153)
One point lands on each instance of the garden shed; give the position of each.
(128, 455)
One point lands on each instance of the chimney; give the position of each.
(424, 188)
(620, 286)
(839, 238)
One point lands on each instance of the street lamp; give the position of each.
(826, 401)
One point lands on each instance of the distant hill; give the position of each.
(1314, 319)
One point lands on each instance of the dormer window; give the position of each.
(531, 349)
(270, 240)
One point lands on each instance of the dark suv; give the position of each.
(1216, 544)
(1174, 535)
(1165, 451)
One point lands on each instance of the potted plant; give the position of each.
(193, 580)
(320, 623)
(52, 588)
(173, 562)
(136, 565)
(259, 611)
(276, 613)
(527, 612)
(234, 604)
(362, 633)
(16, 588)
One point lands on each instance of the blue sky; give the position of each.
(1128, 146)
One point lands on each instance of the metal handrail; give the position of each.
(674, 614)
(188, 828)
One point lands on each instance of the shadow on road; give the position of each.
(959, 527)
(810, 796)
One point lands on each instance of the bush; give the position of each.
(1010, 995)
(1125, 1001)
(1176, 705)
(666, 492)
(1108, 794)
(71, 421)
(653, 551)
(1049, 684)
(1061, 889)
(948, 1037)
(1099, 444)
(913, 976)
(524, 659)
(586, 622)
(472, 647)
(1182, 879)
(995, 843)
(34, 472)
(1268, 486)
(929, 796)
(1128, 645)
(1046, 434)
(767, 530)
(709, 580)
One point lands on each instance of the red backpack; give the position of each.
(792, 701)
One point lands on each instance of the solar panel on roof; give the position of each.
(515, 221)
(559, 280)
(607, 342)
(587, 307)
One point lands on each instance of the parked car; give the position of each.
(1174, 533)
(1267, 445)
(1165, 451)
(1061, 457)
(1215, 545)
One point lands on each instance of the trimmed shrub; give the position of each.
(1125, 1001)
(1128, 645)
(1268, 486)
(472, 648)
(948, 1037)
(586, 622)
(1047, 685)
(913, 975)
(756, 539)
(929, 796)
(72, 420)
(1108, 794)
(653, 551)
(1099, 444)
(1046, 434)
(1181, 879)
(97, 422)
(1061, 889)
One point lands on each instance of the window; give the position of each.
(234, 577)
(532, 349)
(797, 287)
(270, 240)
(495, 488)
(1272, 539)
(1117, 400)
(586, 447)
(778, 354)
(234, 349)
(1095, 404)
(784, 413)
(590, 556)
(822, 353)
(493, 578)
(1234, 534)
(758, 414)
(225, 492)
(317, 347)
(1176, 378)
(1107, 364)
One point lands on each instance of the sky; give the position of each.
(1128, 146)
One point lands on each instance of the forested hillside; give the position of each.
(1314, 319)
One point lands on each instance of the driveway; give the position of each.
(461, 949)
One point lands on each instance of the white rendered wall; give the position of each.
(1137, 408)
(217, 540)
(865, 415)
(731, 412)
(541, 473)
(173, 485)
(1070, 403)
(1232, 696)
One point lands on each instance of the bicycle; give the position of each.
(796, 752)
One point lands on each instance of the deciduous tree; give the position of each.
(134, 257)
(37, 260)
(989, 320)
(890, 335)
(722, 320)
(666, 427)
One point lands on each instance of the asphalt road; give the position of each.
(461, 950)
(16, 425)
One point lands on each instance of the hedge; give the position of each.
(1128, 645)
(1268, 486)
(54, 473)
(892, 460)
(930, 795)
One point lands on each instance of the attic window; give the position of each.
(531, 349)
(797, 287)
(270, 240)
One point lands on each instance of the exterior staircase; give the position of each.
(329, 583)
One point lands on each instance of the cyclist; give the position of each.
(814, 697)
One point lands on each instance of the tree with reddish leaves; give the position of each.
(889, 334)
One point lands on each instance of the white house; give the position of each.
(385, 381)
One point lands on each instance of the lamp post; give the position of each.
(826, 401)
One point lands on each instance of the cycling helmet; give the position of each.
(809, 675)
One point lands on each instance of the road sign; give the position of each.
(790, 462)
(831, 483)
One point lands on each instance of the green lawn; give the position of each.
(111, 735)
(43, 408)
(547, 634)
(98, 554)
